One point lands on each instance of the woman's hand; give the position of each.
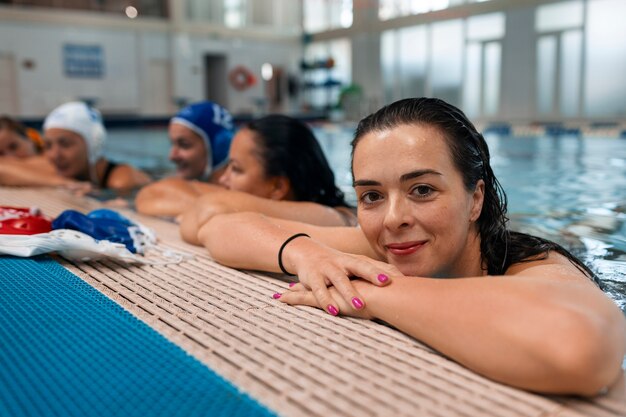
(298, 294)
(78, 188)
(200, 212)
(319, 267)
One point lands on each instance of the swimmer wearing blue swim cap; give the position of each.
(200, 134)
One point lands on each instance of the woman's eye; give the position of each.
(66, 143)
(235, 168)
(181, 144)
(422, 191)
(370, 197)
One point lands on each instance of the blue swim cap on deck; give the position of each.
(214, 124)
(105, 224)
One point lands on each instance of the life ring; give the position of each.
(241, 78)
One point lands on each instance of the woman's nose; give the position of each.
(173, 153)
(399, 214)
(224, 179)
(52, 152)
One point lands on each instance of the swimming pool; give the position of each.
(567, 188)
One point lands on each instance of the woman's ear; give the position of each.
(281, 189)
(478, 199)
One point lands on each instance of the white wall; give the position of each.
(130, 52)
(44, 85)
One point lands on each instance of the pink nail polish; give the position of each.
(276, 296)
(291, 284)
(332, 310)
(383, 278)
(357, 303)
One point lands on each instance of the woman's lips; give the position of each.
(405, 248)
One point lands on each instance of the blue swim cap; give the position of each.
(105, 224)
(214, 124)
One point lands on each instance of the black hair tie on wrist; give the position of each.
(282, 247)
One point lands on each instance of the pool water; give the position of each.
(569, 189)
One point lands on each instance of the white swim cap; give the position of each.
(79, 118)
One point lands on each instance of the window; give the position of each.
(483, 63)
(559, 58)
(389, 9)
(559, 16)
(446, 61)
(605, 59)
(234, 13)
(320, 15)
(404, 58)
(280, 15)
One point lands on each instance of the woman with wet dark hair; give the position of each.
(433, 257)
(500, 247)
(287, 148)
(275, 167)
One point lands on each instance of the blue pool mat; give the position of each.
(68, 350)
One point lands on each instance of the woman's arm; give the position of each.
(30, 172)
(259, 237)
(170, 196)
(543, 327)
(227, 201)
(253, 241)
(124, 177)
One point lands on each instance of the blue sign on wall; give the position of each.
(83, 61)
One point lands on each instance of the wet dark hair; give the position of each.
(500, 247)
(13, 125)
(25, 133)
(289, 148)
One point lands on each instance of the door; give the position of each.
(8, 86)
(216, 79)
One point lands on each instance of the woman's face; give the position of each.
(245, 171)
(12, 144)
(188, 152)
(67, 151)
(412, 204)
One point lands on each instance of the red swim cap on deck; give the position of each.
(23, 221)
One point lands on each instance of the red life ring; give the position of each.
(241, 78)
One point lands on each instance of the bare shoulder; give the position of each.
(554, 266)
(348, 216)
(205, 187)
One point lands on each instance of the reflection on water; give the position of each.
(144, 148)
(568, 189)
(571, 190)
